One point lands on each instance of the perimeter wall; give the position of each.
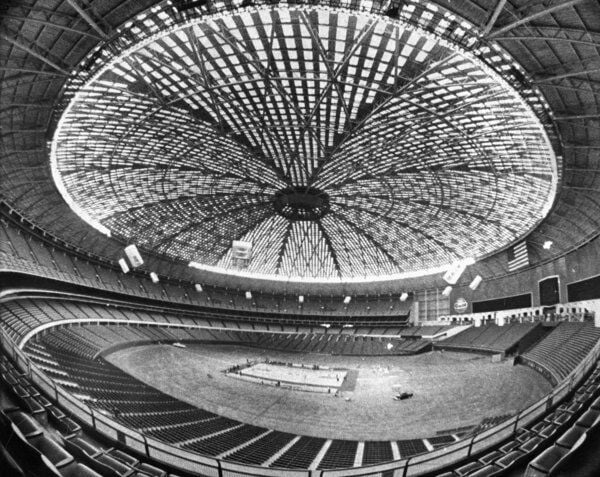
(581, 264)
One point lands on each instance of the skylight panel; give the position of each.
(406, 51)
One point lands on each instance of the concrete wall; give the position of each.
(579, 265)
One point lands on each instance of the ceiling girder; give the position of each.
(52, 25)
(568, 74)
(87, 17)
(492, 21)
(39, 56)
(529, 18)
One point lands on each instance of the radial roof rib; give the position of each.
(40, 55)
(546, 10)
(88, 18)
(495, 14)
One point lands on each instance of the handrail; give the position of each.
(187, 461)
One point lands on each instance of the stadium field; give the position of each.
(451, 390)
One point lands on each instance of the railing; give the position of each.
(206, 466)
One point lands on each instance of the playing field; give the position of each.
(451, 390)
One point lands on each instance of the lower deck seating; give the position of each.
(261, 450)
(70, 355)
(377, 451)
(563, 348)
(489, 338)
(48, 443)
(301, 454)
(340, 454)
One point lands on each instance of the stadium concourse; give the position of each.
(284, 238)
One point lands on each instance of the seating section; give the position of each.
(261, 449)
(340, 454)
(70, 356)
(575, 452)
(558, 431)
(488, 338)
(26, 248)
(301, 454)
(564, 348)
(48, 443)
(219, 443)
(20, 317)
(411, 447)
(329, 343)
(377, 451)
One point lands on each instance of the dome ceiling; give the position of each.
(343, 145)
(49, 49)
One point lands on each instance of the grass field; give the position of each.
(450, 390)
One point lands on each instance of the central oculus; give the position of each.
(301, 203)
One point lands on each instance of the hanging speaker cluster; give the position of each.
(454, 272)
(134, 259)
(475, 283)
(123, 265)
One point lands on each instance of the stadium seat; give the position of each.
(108, 466)
(8, 465)
(563, 419)
(467, 469)
(511, 459)
(489, 470)
(27, 456)
(588, 418)
(29, 427)
(6, 403)
(549, 430)
(491, 457)
(583, 460)
(80, 448)
(571, 437)
(80, 470)
(543, 463)
(151, 470)
(67, 426)
(52, 450)
(509, 446)
(596, 404)
(123, 457)
(531, 444)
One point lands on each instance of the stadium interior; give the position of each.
(299, 238)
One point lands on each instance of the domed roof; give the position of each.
(344, 141)
(340, 143)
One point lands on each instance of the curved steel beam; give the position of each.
(533, 16)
